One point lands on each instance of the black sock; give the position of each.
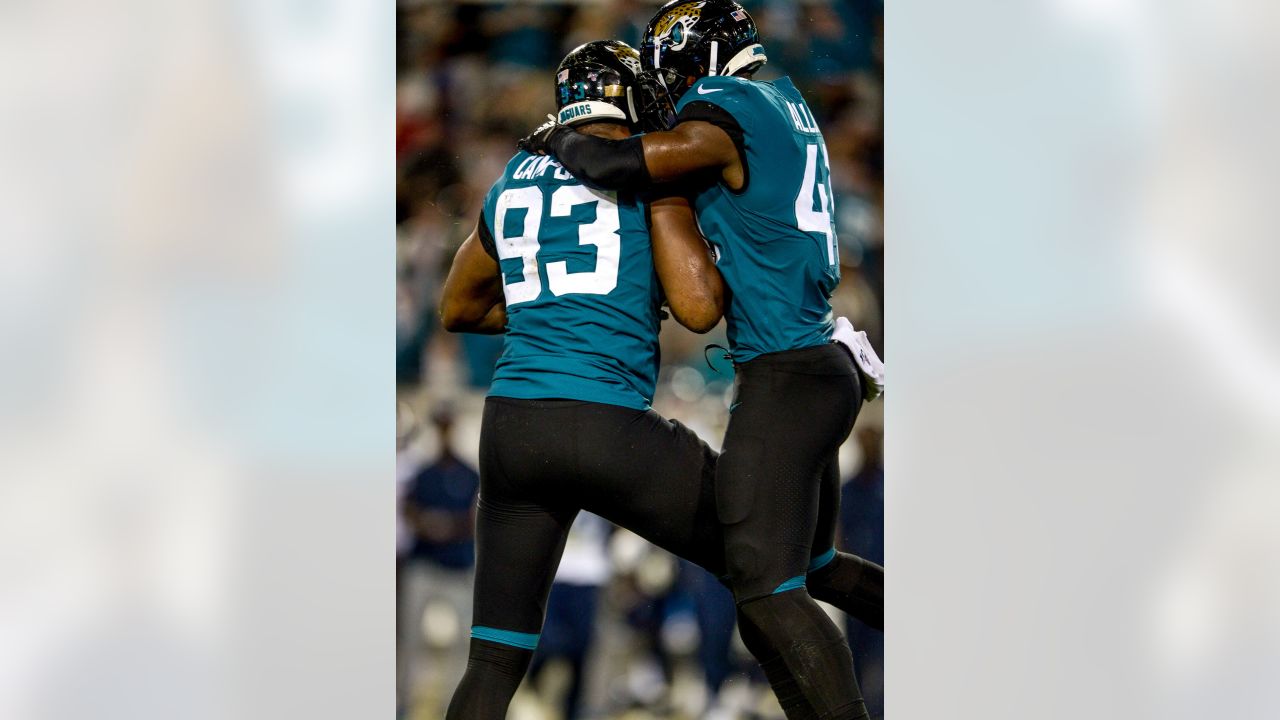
(494, 671)
(853, 585)
(807, 661)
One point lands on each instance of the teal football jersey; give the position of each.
(775, 241)
(582, 294)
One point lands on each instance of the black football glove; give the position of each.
(538, 142)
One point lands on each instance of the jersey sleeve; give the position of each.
(727, 103)
(486, 236)
(486, 222)
(734, 96)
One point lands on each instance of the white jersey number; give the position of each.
(524, 246)
(603, 233)
(819, 220)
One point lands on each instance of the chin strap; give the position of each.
(631, 105)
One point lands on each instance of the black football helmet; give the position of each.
(691, 39)
(598, 81)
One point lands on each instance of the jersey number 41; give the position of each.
(807, 218)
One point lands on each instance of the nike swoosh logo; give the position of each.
(707, 91)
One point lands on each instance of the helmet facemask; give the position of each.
(686, 41)
(657, 110)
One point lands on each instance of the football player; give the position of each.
(765, 203)
(572, 278)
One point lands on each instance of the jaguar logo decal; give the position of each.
(629, 57)
(674, 26)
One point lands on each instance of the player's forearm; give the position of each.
(686, 268)
(690, 147)
(695, 294)
(473, 316)
(473, 299)
(601, 162)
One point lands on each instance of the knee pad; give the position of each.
(743, 571)
(756, 571)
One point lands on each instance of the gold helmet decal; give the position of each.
(676, 23)
(628, 56)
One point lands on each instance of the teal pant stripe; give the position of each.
(821, 561)
(524, 641)
(792, 584)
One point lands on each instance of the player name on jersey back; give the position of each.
(536, 166)
(802, 118)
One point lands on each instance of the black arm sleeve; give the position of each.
(601, 163)
(686, 187)
(721, 118)
(486, 238)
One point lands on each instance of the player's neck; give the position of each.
(606, 130)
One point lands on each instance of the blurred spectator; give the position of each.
(523, 34)
(717, 616)
(439, 507)
(569, 630)
(408, 463)
(862, 500)
(862, 533)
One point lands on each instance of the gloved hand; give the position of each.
(538, 142)
(864, 356)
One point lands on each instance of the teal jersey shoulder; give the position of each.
(582, 294)
(775, 240)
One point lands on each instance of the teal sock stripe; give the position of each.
(524, 641)
(792, 584)
(822, 560)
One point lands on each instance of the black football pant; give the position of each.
(541, 461)
(791, 412)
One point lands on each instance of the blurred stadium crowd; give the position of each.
(631, 632)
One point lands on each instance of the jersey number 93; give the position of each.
(602, 233)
